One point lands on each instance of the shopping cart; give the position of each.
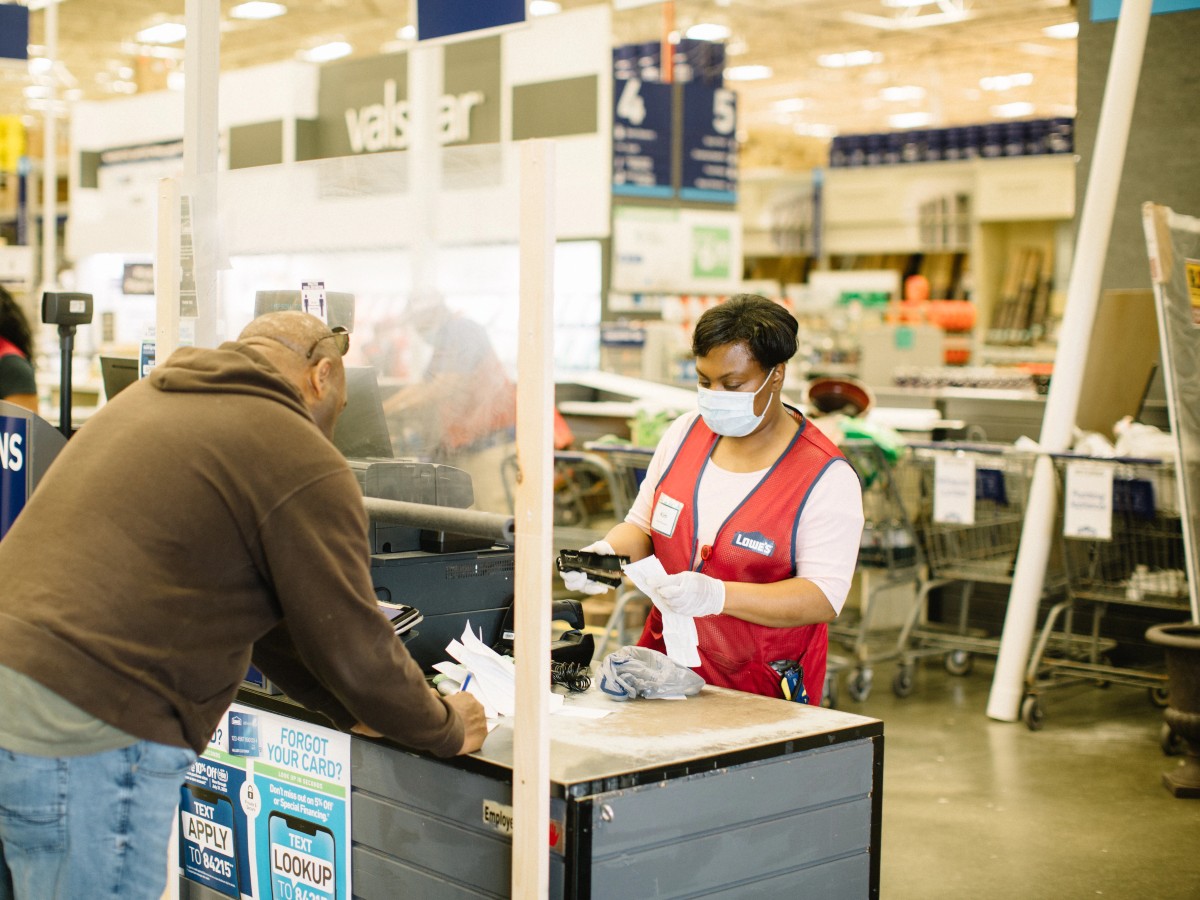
(889, 558)
(1122, 546)
(971, 508)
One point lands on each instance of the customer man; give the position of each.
(200, 520)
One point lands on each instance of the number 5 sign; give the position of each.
(709, 143)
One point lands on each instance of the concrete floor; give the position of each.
(975, 808)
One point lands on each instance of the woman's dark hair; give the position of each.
(13, 324)
(765, 327)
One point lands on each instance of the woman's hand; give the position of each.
(692, 594)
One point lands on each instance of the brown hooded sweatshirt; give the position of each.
(200, 516)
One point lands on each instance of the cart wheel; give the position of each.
(830, 694)
(902, 684)
(959, 662)
(1103, 684)
(860, 684)
(1170, 741)
(1160, 696)
(1031, 712)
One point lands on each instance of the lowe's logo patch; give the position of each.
(755, 541)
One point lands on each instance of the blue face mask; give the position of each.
(731, 413)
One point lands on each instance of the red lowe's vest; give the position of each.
(8, 348)
(755, 544)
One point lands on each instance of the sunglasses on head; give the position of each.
(341, 340)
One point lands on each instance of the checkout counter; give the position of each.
(723, 794)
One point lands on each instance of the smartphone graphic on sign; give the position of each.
(303, 863)
(208, 839)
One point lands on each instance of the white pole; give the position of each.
(201, 140)
(166, 271)
(1083, 292)
(534, 526)
(425, 81)
(50, 159)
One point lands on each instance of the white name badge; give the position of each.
(1088, 501)
(666, 515)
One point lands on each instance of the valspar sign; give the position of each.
(14, 479)
(363, 104)
(384, 126)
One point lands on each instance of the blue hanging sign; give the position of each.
(642, 140)
(709, 143)
(14, 31)
(14, 474)
(443, 19)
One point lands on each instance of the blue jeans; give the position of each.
(88, 826)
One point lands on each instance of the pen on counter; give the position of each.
(466, 682)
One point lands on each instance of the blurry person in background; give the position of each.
(17, 384)
(463, 410)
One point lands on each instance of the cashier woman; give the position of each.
(753, 512)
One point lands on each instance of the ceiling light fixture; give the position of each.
(903, 93)
(257, 10)
(1066, 31)
(163, 33)
(908, 17)
(1006, 82)
(850, 59)
(1012, 110)
(407, 33)
(544, 7)
(328, 52)
(748, 73)
(910, 120)
(39, 65)
(708, 31)
(791, 104)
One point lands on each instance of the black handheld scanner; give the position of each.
(603, 568)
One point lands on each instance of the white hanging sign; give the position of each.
(312, 299)
(954, 490)
(1088, 501)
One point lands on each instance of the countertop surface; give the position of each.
(658, 734)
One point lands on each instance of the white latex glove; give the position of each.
(578, 581)
(692, 594)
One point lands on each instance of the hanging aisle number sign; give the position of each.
(954, 490)
(641, 138)
(709, 144)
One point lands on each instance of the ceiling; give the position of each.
(939, 51)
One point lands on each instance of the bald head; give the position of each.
(298, 331)
(285, 339)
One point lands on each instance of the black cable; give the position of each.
(572, 676)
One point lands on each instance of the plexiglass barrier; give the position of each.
(418, 258)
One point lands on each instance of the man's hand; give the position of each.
(578, 581)
(365, 730)
(474, 720)
(692, 594)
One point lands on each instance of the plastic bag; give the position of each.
(641, 672)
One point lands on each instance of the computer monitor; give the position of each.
(362, 429)
(118, 373)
